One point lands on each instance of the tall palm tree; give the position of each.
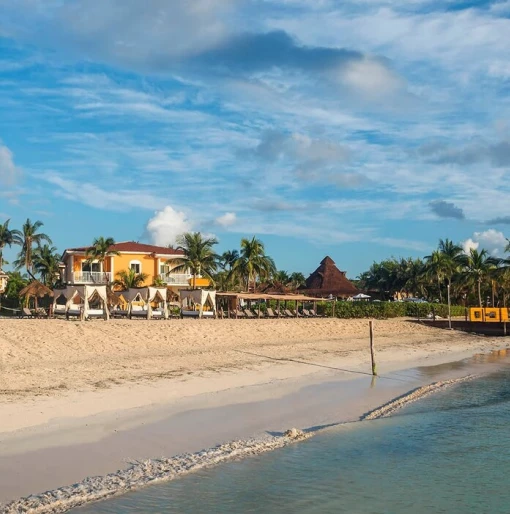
(436, 267)
(454, 258)
(6, 238)
(228, 258)
(27, 238)
(199, 256)
(253, 263)
(46, 262)
(479, 266)
(102, 247)
(128, 279)
(297, 279)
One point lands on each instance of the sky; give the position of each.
(357, 129)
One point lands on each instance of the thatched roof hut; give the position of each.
(35, 290)
(328, 280)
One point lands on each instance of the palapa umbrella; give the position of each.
(36, 290)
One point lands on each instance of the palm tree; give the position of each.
(101, 249)
(199, 256)
(437, 267)
(228, 258)
(27, 238)
(479, 266)
(297, 279)
(253, 263)
(46, 263)
(128, 279)
(6, 238)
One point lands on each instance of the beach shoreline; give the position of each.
(52, 439)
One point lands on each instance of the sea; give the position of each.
(448, 452)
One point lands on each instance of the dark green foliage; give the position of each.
(381, 310)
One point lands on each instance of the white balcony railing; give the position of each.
(175, 279)
(92, 277)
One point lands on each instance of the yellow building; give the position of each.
(3, 281)
(154, 261)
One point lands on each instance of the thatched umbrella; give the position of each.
(36, 290)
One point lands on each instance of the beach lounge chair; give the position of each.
(305, 313)
(40, 312)
(59, 310)
(249, 314)
(74, 312)
(289, 314)
(270, 313)
(313, 314)
(26, 313)
(240, 313)
(296, 314)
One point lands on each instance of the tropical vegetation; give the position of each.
(470, 277)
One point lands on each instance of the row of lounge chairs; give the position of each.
(271, 314)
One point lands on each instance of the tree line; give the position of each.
(473, 278)
(245, 268)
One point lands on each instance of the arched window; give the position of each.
(136, 266)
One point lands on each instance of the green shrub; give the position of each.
(380, 310)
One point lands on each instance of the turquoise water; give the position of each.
(449, 453)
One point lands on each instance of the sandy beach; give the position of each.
(80, 399)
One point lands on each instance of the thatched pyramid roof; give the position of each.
(36, 288)
(327, 280)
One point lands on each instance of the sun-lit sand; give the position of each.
(51, 357)
(83, 398)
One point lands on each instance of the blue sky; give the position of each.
(358, 129)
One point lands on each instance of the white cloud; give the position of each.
(8, 170)
(371, 77)
(94, 196)
(491, 240)
(228, 219)
(166, 225)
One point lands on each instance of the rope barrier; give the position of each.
(8, 309)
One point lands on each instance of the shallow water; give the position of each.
(449, 452)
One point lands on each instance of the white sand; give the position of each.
(78, 399)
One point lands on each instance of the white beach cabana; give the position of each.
(191, 299)
(82, 310)
(157, 294)
(147, 296)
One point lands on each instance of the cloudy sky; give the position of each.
(359, 129)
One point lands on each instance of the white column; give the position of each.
(70, 271)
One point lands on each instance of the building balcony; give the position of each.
(91, 277)
(175, 279)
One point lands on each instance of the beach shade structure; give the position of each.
(198, 303)
(35, 290)
(134, 296)
(328, 281)
(361, 296)
(234, 298)
(157, 294)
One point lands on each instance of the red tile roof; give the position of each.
(132, 246)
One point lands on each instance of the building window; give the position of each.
(136, 266)
(91, 266)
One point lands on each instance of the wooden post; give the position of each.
(371, 325)
(333, 309)
(297, 312)
(504, 328)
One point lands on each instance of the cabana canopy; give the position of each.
(87, 294)
(200, 297)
